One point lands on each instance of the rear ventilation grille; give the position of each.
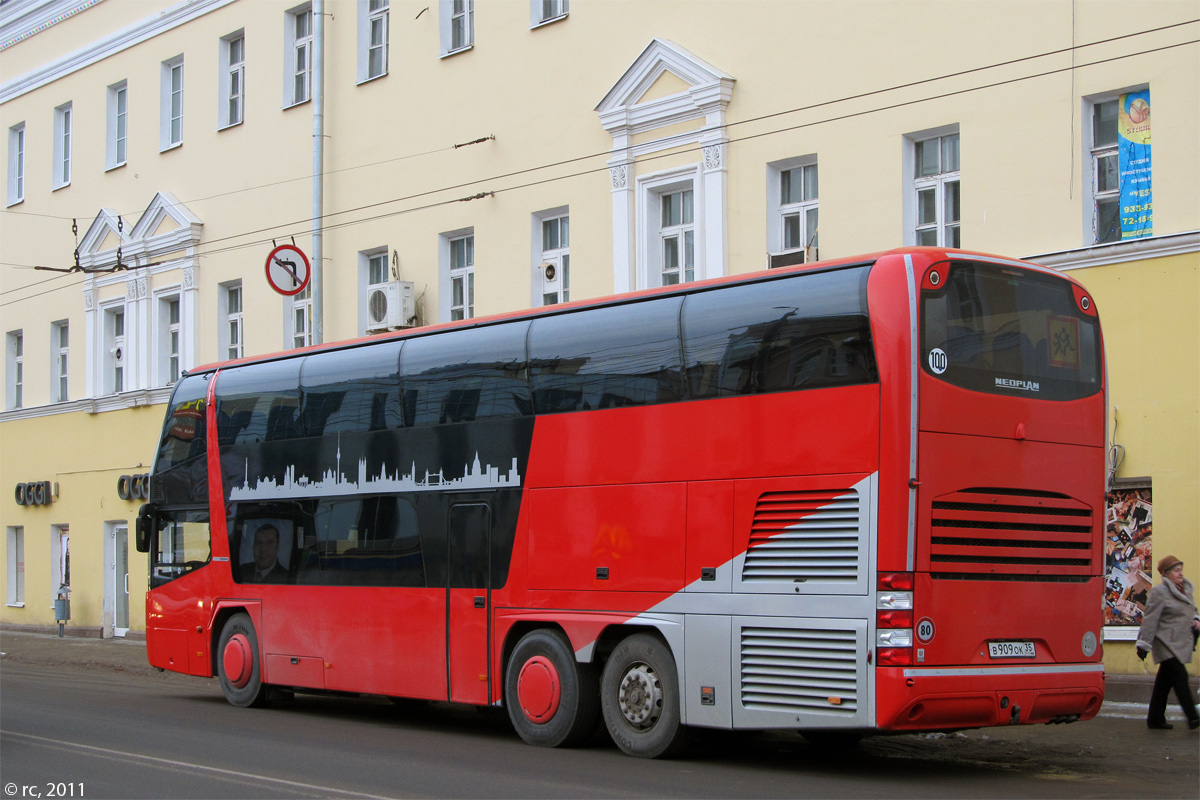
(806, 536)
(799, 670)
(1011, 533)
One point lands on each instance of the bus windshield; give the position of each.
(1003, 330)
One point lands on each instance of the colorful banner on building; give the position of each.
(1135, 165)
(1128, 573)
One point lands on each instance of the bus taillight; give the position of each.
(894, 619)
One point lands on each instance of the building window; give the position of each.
(937, 193)
(233, 80)
(14, 351)
(232, 331)
(543, 11)
(457, 25)
(114, 358)
(1105, 174)
(16, 164)
(373, 38)
(462, 278)
(678, 237)
(299, 49)
(554, 261)
(170, 339)
(302, 318)
(60, 339)
(62, 146)
(792, 211)
(16, 565)
(118, 128)
(171, 134)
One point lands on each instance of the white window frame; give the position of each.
(651, 238)
(1092, 153)
(300, 315)
(169, 359)
(807, 210)
(543, 12)
(14, 368)
(368, 260)
(116, 151)
(60, 367)
(297, 46)
(231, 106)
(451, 275)
(545, 253)
(171, 100)
(16, 164)
(63, 124)
(456, 15)
(118, 364)
(232, 330)
(15, 565)
(937, 183)
(373, 16)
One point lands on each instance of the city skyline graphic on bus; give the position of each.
(333, 481)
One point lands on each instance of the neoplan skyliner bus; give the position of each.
(839, 498)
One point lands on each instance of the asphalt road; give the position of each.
(72, 732)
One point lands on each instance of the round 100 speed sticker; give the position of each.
(938, 360)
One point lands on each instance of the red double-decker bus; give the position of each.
(856, 496)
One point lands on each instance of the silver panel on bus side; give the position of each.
(801, 673)
(808, 536)
(707, 665)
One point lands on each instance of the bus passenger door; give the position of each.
(468, 598)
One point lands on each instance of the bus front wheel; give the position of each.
(238, 663)
(552, 700)
(639, 693)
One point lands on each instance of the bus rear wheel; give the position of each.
(238, 663)
(639, 693)
(552, 700)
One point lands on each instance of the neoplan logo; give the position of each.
(1025, 386)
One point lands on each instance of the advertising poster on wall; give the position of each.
(1135, 165)
(1127, 555)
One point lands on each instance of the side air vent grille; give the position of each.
(799, 670)
(806, 536)
(1010, 532)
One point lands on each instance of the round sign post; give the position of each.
(288, 270)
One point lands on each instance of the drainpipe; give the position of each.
(318, 207)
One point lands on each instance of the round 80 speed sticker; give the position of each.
(938, 360)
(925, 629)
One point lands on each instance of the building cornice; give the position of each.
(1172, 244)
(94, 52)
(93, 405)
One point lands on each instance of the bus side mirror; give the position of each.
(145, 527)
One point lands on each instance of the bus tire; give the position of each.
(639, 694)
(239, 664)
(552, 700)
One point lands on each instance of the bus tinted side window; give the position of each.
(803, 332)
(626, 355)
(351, 390)
(259, 402)
(466, 375)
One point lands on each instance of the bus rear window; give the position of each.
(1004, 330)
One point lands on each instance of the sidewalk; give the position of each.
(127, 655)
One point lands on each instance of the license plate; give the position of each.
(1012, 650)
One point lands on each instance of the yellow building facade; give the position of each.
(483, 156)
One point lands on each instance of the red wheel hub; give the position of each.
(238, 660)
(539, 689)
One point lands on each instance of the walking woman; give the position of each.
(1168, 631)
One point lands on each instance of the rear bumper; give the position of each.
(940, 698)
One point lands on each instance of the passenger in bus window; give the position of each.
(265, 567)
(1169, 629)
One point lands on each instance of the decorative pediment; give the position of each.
(104, 236)
(167, 219)
(665, 85)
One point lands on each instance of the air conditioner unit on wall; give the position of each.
(390, 305)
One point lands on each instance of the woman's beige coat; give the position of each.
(1167, 624)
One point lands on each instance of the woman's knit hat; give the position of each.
(1167, 564)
